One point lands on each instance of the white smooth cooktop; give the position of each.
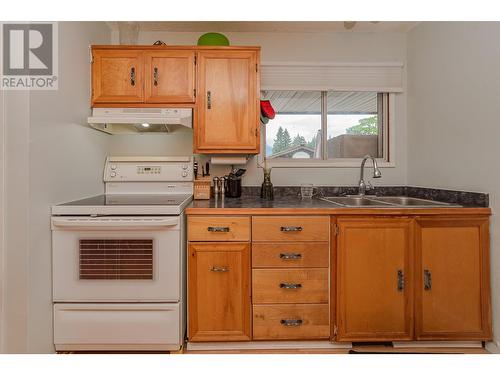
(126, 204)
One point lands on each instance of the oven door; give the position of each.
(116, 259)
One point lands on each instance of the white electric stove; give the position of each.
(119, 259)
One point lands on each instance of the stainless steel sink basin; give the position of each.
(373, 201)
(412, 202)
(355, 202)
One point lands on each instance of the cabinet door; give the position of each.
(228, 119)
(169, 76)
(117, 76)
(374, 300)
(452, 279)
(219, 292)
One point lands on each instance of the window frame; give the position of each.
(388, 134)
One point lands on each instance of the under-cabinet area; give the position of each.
(342, 278)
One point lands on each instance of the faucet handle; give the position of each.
(369, 186)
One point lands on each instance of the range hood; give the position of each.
(140, 120)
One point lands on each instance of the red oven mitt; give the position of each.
(267, 109)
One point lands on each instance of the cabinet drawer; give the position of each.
(285, 322)
(290, 255)
(305, 285)
(291, 228)
(218, 228)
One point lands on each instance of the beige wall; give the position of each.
(305, 47)
(16, 214)
(2, 217)
(51, 157)
(453, 126)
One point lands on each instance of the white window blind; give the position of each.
(377, 77)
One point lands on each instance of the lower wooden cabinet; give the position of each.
(452, 279)
(381, 278)
(374, 279)
(219, 292)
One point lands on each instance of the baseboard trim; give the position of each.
(258, 345)
(437, 344)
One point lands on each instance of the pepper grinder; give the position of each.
(216, 185)
(222, 186)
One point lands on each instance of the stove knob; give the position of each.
(184, 174)
(113, 167)
(184, 166)
(113, 174)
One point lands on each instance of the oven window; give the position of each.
(116, 259)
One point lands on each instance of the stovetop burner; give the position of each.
(131, 200)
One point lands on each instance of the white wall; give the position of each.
(15, 257)
(309, 47)
(453, 126)
(51, 157)
(2, 216)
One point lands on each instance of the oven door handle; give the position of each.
(104, 223)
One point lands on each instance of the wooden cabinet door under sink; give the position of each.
(374, 279)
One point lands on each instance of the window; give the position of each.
(326, 126)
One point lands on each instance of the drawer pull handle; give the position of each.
(427, 280)
(401, 280)
(209, 100)
(291, 322)
(290, 286)
(219, 269)
(218, 229)
(291, 229)
(290, 256)
(132, 76)
(155, 76)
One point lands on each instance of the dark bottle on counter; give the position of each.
(267, 190)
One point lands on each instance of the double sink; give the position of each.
(387, 202)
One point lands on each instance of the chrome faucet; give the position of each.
(376, 173)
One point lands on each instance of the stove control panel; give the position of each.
(149, 170)
(129, 169)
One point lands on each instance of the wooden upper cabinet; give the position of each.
(228, 102)
(374, 279)
(117, 76)
(452, 279)
(219, 291)
(169, 76)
